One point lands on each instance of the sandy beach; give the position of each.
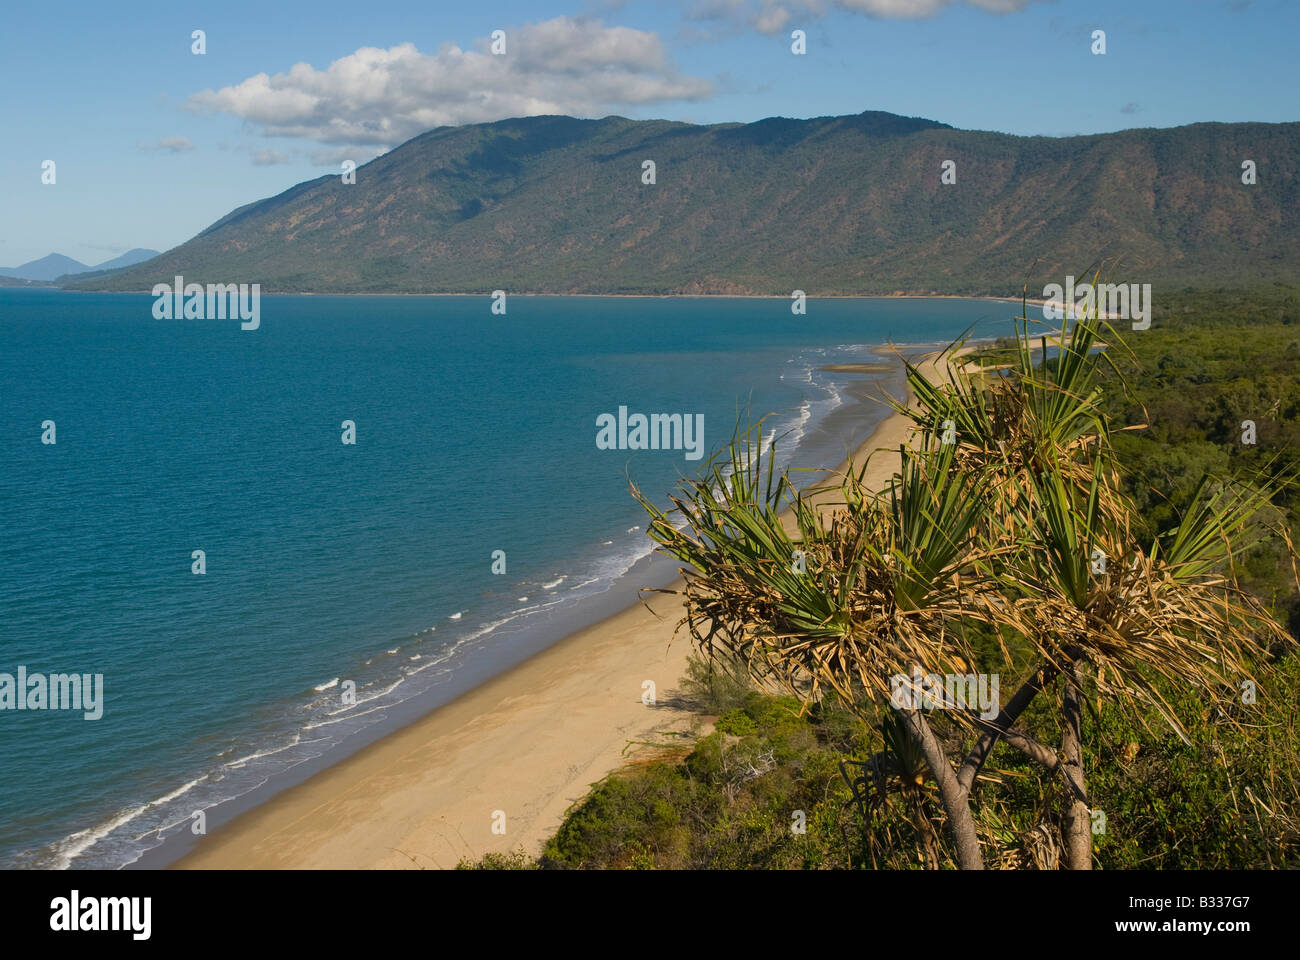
(528, 744)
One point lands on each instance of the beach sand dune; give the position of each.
(527, 745)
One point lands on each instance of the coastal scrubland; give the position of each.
(1193, 773)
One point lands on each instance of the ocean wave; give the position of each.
(74, 845)
(258, 754)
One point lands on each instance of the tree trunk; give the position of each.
(956, 801)
(926, 837)
(1077, 825)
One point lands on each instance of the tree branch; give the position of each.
(1000, 727)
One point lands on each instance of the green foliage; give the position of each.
(716, 686)
(1228, 800)
(1208, 363)
(517, 860)
(737, 723)
(731, 803)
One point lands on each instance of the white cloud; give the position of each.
(168, 144)
(773, 16)
(383, 97)
(714, 9)
(333, 156)
(268, 158)
(920, 9)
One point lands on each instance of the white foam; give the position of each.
(349, 716)
(350, 710)
(74, 845)
(236, 764)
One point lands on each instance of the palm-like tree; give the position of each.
(1007, 517)
(845, 603)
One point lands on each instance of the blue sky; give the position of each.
(153, 143)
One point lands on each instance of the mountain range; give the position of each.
(830, 205)
(56, 265)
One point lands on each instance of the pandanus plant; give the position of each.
(847, 601)
(1007, 517)
(899, 768)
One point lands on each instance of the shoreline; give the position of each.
(529, 743)
(613, 296)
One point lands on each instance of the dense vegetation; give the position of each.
(1223, 796)
(831, 205)
(1208, 364)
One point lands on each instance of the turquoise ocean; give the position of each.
(329, 562)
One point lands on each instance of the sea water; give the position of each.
(337, 572)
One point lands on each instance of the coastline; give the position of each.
(528, 742)
(1039, 301)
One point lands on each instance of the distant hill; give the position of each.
(57, 265)
(7, 281)
(832, 205)
(46, 268)
(128, 259)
